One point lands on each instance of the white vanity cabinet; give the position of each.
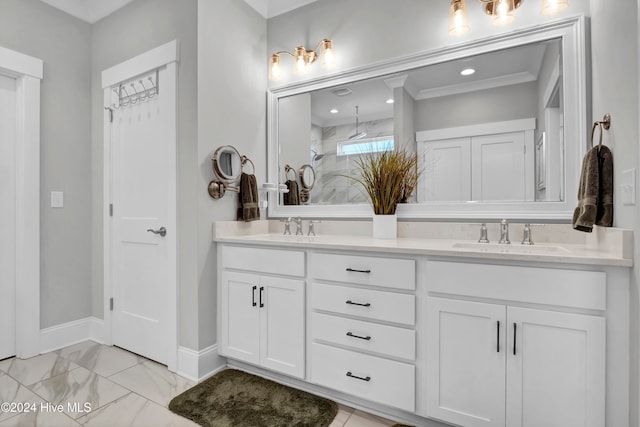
(503, 363)
(363, 317)
(262, 314)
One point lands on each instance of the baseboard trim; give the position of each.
(199, 365)
(66, 334)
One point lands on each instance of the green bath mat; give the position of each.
(233, 398)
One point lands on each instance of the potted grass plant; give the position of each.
(388, 178)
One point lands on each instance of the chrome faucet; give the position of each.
(299, 227)
(483, 234)
(312, 231)
(526, 235)
(287, 226)
(504, 232)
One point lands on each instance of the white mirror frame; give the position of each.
(571, 31)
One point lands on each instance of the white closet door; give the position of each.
(7, 216)
(498, 168)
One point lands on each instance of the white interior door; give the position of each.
(143, 197)
(7, 217)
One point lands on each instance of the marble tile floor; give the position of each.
(89, 384)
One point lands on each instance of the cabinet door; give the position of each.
(466, 362)
(282, 325)
(446, 166)
(240, 328)
(498, 167)
(556, 378)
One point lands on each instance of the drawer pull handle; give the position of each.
(515, 326)
(498, 340)
(367, 338)
(357, 303)
(253, 296)
(353, 270)
(261, 291)
(350, 375)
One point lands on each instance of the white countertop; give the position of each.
(547, 253)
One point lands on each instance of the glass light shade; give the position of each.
(502, 12)
(275, 70)
(328, 54)
(551, 7)
(458, 20)
(300, 61)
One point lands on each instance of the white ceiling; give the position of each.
(88, 10)
(94, 10)
(271, 8)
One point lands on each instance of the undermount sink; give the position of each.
(512, 248)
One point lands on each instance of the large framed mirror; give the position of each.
(504, 141)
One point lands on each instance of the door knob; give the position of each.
(161, 231)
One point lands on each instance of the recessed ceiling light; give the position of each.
(467, 71)
(333, 111)
(390, 101)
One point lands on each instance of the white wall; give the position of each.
(63, 43)
(232, 84)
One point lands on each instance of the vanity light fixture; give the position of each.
(502, 12)
(302, 58)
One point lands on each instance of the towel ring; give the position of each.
(604, 123)
(288, 169)
(244, 160)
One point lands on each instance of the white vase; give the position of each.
(385, 226)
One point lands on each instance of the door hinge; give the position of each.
(110, 209)
(111, 304)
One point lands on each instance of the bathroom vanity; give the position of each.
(423, 329)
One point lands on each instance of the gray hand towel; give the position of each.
(595, 193)
(248, 209)
(293, 196)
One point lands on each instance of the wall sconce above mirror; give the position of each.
(303, 58)
(502, 12)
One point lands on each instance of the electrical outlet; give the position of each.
(629, 187)
(57, 199)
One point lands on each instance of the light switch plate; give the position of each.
(629, 187)
(57, 199)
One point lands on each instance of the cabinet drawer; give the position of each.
(382, 339)
(561, 287)
(387, 272)
(379, 380)
(366, 303)
(275, 261)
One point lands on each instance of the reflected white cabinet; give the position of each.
(535, 367)
(490, 162)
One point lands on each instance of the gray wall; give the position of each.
(138, 27)
(64, 44)
(491, 105)
(232, 84)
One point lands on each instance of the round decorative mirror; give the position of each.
(307, 177)
(227, 164)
